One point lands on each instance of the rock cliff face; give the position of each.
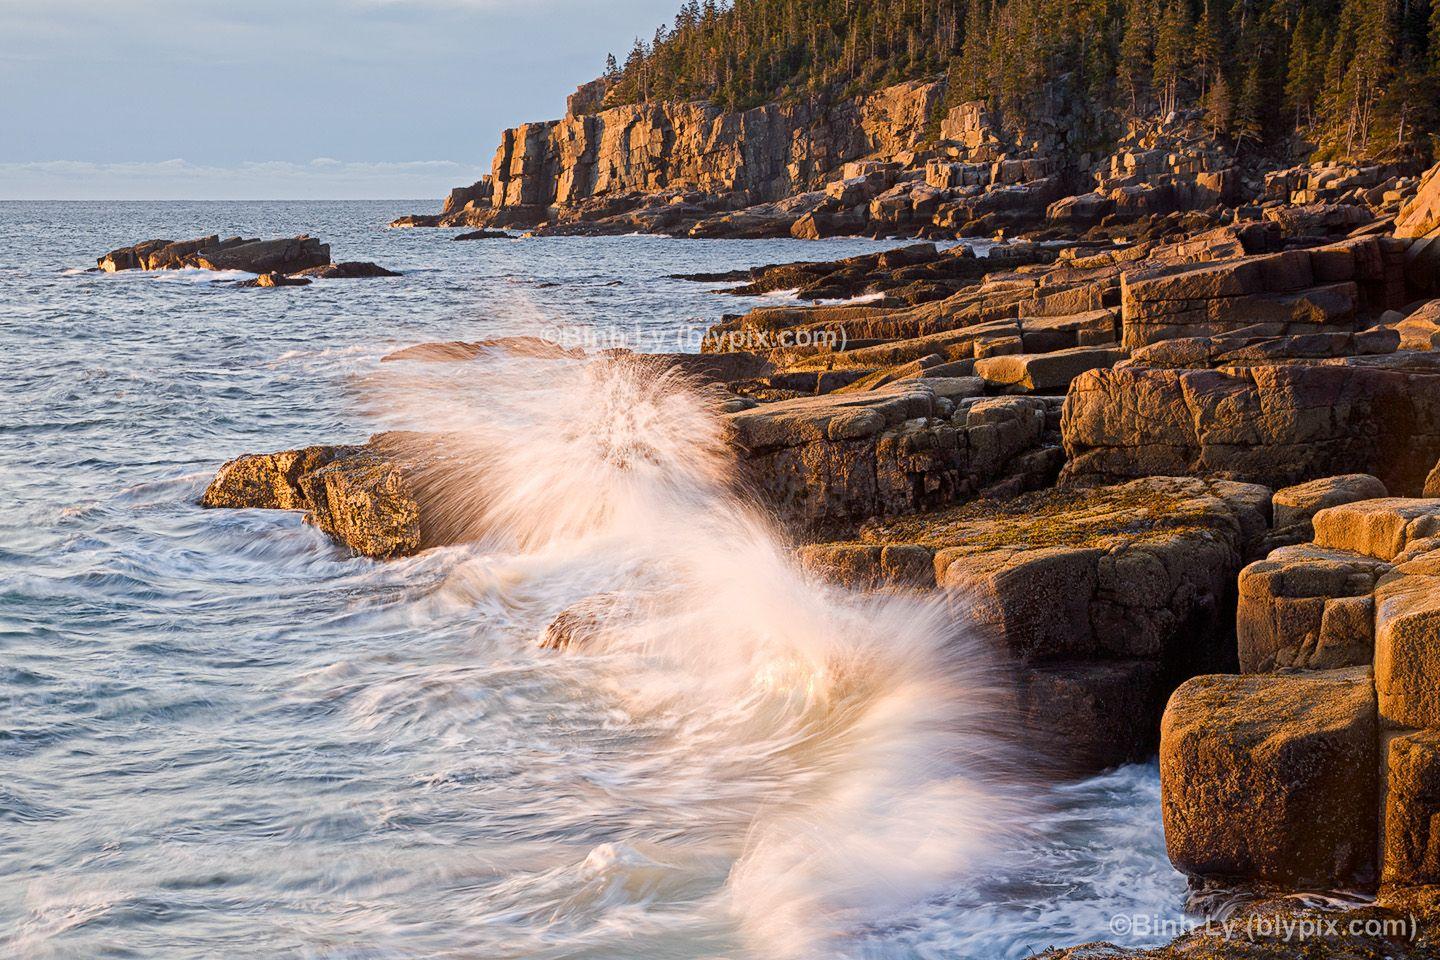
(760, 155)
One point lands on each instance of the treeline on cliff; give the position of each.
(1341, 78)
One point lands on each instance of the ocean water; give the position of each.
(221, 736)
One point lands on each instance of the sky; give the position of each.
(268, 99)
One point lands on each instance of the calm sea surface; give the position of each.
(221, 736)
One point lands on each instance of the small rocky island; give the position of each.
(282, 262)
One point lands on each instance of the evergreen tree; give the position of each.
(1135, 60)
(1219, 107)
(1172, 54)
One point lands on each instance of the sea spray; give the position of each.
(872, 717)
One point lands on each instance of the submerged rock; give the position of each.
(347, 270)
(274, 280)
(581, 623)
(483, 235)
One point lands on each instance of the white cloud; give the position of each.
(179, 179)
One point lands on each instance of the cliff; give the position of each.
(602, 160)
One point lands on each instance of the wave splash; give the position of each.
(862, 727)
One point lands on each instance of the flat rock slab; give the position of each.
(1044, 372)
(1273, 779)
(1382, 529)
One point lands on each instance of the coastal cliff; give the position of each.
(599, 162)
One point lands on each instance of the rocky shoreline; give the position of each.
(1188, 482)
(896, 163)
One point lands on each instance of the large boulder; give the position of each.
(1298, 505)
(1383, 529)
(1420, 330)
(1307, 607)
(378, 499)
(1104, 598)
(1044, 372)
(1407, 639)
(826, 463)
(285, 255)
(1277, 424)
(1420, 216)
(1296, 291)
(1272, 779)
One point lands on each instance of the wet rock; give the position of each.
(415, 220)
(348, 270)
(275, 280)
(1271, 779)
(579, 625)
(484, 235)
(1105, 598)
(1085, 716)
(1412, 802)
(379, 499)
(287, 255)
(1402, 925)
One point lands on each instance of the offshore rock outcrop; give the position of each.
(277, 261)
(286, 255)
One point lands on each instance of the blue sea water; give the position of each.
(222, 736)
